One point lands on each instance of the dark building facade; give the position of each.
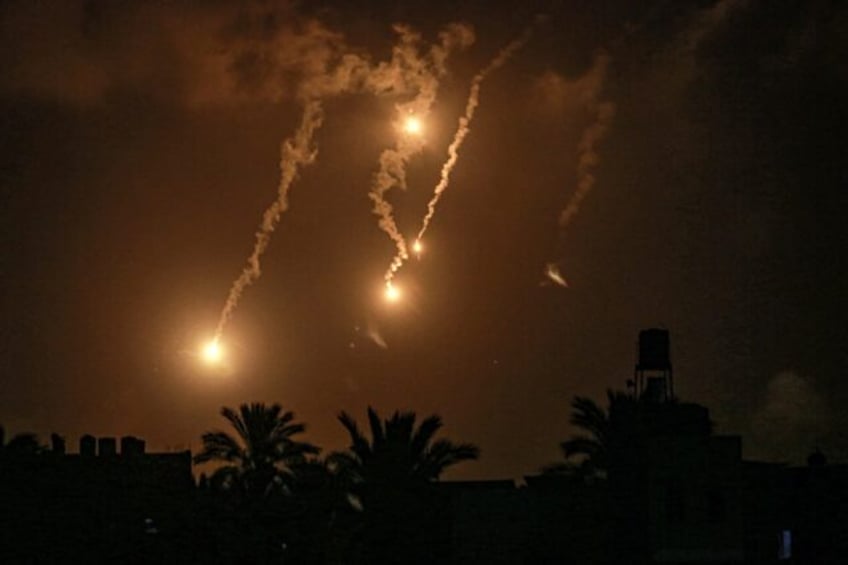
(97, 505)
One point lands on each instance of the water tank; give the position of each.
(654, 350)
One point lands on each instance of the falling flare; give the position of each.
(212, 352)
(417, 248)
(552, 272)
(602, 113)
(392, 293)
(453, 150)
(412, 126)
(295, 152)
(424, 73)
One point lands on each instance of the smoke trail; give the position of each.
(421, 73)
(588, 90)
(459, 137)
(296, 151)
(405, 73)
(587, 154)
(463, 129)
(588, 159)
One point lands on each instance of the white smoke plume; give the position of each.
(421, 73)
(197, 54)
(453, 149)
(464, 123)
(295, 153)
(406, 72)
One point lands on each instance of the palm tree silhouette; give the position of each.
(261, 456)
(398, 452)
(607, 435)
(388, 477)
(587, 453)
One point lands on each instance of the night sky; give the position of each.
(140, 144)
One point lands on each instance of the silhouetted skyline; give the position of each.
(140, 144)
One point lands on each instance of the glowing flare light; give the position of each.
(412, 126)
(212, 352)
(392, 293)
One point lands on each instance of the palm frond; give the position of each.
(236, 422)
(443, 454)
(587, 415)
(377, 431)
(580, 445)
(359, 444)
(219, 446)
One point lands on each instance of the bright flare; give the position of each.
(552, 272)
(412, 125)
(392, 293)
(212, 352)
(416, 247)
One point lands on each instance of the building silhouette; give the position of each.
(97, 505)
(673, 492)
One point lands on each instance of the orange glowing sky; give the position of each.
(137, 154)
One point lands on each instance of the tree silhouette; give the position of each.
(20, 444)
(606, 436)
(260, 457)
(319, 518)
(397, 452)
(389, 477)
(587, 452)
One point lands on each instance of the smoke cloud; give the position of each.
(404, 73)
(793, 420)
(192, 54)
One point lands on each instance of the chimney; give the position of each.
(88, 445)
(57, 444)
(132, 446)
(107, 447)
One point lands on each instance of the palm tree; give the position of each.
(397, 452)
(587, 453)
(626, 424)
(388, 477)
(260, 458)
